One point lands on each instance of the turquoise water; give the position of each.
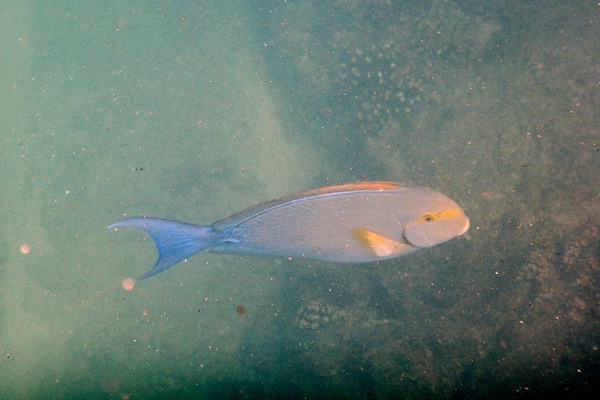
(194, 111)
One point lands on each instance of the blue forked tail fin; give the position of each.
(175, 241)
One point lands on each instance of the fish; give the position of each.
(349, 223)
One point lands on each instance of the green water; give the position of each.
(196, 110)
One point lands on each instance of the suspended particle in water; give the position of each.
(128, 284)
(240, 310)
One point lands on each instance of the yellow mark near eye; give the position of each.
(451, 213)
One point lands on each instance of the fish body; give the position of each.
(350, 223)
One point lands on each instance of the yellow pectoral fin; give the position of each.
(382, 246)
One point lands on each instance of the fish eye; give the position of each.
(428, 218)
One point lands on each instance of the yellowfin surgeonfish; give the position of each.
(351, 223)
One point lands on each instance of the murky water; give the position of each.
(193, 111)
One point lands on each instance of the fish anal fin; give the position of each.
(380, 245)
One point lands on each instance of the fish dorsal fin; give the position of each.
(380, 245)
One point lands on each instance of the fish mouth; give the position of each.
(466, 227)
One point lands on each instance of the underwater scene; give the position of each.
(196, 110)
